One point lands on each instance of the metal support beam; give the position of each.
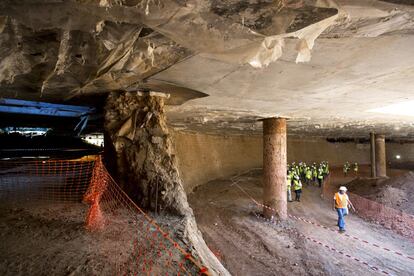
(43, 109)
(39, 111)
(22, 103)
(48, 110)
(81, 125)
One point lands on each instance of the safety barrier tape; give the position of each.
(372, 267)
(323, 226)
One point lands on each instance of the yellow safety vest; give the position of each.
(297, 185)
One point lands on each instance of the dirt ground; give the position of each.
(248, 245)
(49, 238)
(396, 192)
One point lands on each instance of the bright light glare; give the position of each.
(398, 156)
(403, 109)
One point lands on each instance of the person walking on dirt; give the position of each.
(341, 204)
(308, 175)
(314, 173)
(356, 168)
(297, 186)
(289, 187)
(347, 167)
(326, 168)
(320, 176)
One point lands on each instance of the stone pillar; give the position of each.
(380, 159)
(274, 168)
(373, 163)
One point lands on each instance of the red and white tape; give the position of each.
(325, 227)
(372, 267)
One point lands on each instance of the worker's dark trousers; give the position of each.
(298, 193)
(320, 182)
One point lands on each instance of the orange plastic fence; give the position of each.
(98, 185)
(149, 249)
(51, 180)
(153, 250)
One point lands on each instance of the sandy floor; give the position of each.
(50, 239)
(248, 245)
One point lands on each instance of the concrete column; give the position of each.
(274, 168)
(380, 159)
(373, 164)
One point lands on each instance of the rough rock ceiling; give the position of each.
(319, 62)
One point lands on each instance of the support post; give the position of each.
(373, 163)
(274, 168)
(380, 158)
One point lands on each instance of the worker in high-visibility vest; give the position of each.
(314, 173)
(347, 167)
(320, 176)
(326, 168)
(297, 186)
(356, 168)
(289, 187)
(341, 205)
(308, 175)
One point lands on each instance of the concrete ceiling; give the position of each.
(345, 78)
(254, 59)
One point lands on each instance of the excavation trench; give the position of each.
(146, 166)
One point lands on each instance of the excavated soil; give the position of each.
(396, 192)
(248, 245)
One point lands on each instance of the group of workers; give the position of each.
(303, 173)
(348, 167)
(316, 173)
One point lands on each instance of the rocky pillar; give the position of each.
(380, 159)
(137, 126)
(274, 168)
(373, 164)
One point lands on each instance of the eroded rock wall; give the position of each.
(137, 126)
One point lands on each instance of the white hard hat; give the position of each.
(343, 188)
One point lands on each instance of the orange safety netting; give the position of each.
(146, 248)
(51, 180)
(98, 185)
